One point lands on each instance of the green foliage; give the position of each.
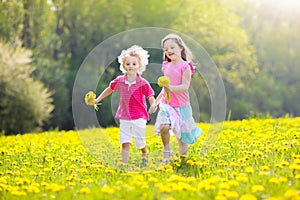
(11, 19)
(275, 32)
(25, 102)
(253, 43)
(219, 31)
(55, 77)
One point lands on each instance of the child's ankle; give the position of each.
(144, 155)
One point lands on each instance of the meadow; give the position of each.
(252, 159)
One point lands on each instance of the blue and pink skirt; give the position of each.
(182, 124)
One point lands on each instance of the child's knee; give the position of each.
(164, 129)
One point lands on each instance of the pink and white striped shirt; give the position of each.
(132, 97)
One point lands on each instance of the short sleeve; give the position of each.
(114, 84)
(148, 91)
(190, 65)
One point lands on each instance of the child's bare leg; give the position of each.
(125, 152)
(144, 152)
(165, 137)
(183, 148)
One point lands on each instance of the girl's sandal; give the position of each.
(167, 155)
(145, 160)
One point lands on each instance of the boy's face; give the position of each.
(131, 65)
(172, 50)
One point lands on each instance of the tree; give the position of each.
(11, 19)
(219, 31)
(275, 32)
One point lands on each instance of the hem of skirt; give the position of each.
(190, 138)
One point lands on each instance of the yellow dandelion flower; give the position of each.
(248, 197)
(220, 197)
(164, 81)
(249, 170)
(3, 180)
(274, 180)
(297, 161)
(163, 188)
(283, 179)
(84, 190)
(257, 188)
(231, 194)
(90, 100)
(265, 168)
(242, 178)
(296, 156)
(33, 189)
(107, 190)
(18, 193)
(169, 198)
(224, 186)
(294, 166)
(284, 163)
(153, 180)
(233, 183)
(274, 198)
(291, 193)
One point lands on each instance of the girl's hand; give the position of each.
(152, 109)
(167, 89)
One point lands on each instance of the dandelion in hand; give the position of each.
(164, 81)
(90, 100)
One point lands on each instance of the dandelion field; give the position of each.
(252, 159)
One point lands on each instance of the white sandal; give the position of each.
(169, 154)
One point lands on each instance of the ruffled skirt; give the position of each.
(182, 124)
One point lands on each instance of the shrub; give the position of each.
(25, 103)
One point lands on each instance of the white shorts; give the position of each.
(133, 129)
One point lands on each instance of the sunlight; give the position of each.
(287, 8)
(287, 4)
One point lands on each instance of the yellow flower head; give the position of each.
(163, 81)
(90, 99)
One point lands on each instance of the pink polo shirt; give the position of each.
(132, 97)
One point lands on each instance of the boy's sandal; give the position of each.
(169, 154)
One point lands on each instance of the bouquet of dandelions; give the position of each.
(90, 100)
(164, 81)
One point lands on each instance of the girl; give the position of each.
(175, 113)
(132, 110)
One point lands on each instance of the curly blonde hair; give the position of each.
(135, 51)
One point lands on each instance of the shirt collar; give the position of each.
(134, 82)
(128, 83)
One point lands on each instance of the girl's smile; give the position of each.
(172, 50)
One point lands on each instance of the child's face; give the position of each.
(172, 50)
(131, 65)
